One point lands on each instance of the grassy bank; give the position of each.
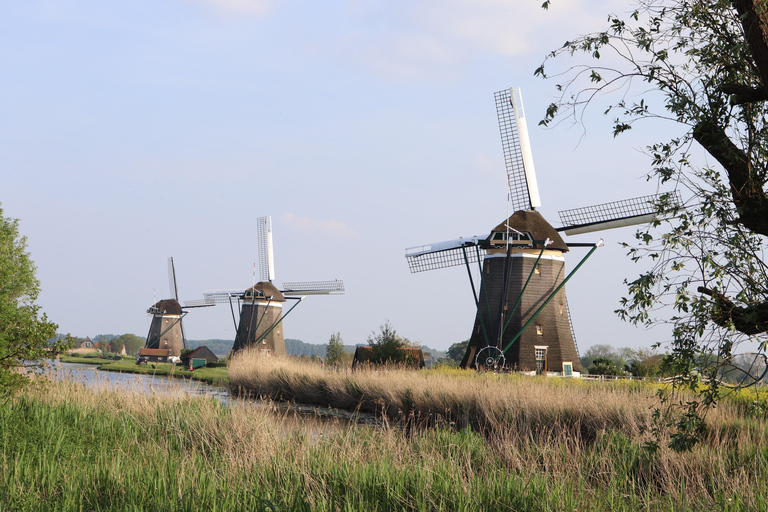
(212, 376)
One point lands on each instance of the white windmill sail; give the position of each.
(518, 158)
(450, 253)
(266, 264)
(616, 214)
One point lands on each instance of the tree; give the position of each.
(24, 333)
(618, 357)
(457, 350)
(604, 366)
(131, 342)
(703, 65)
(645, 363)
(334, 352)
(116, 344)
(386, 345)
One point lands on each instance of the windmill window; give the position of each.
(540, 330)
(567, 369)
(541, 359)
(537, 270)
(561, 309)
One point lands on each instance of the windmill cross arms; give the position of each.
(450, 253)
(335, 287)
(627, 212)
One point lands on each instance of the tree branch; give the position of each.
(746, 188)
(750, 320)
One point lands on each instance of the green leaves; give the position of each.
(24, 333)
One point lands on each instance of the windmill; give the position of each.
(261, 305)
(166, 333)
(523, 322)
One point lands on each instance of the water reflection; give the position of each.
(91, 377)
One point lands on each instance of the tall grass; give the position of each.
(64, 447)
(565, 430)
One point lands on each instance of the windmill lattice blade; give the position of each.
(627, 212)
(523, 189)
(421, 259)
(335, 287)
(264, 233)
(221, 296)
(198, 303)
(172, 279)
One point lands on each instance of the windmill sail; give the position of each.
(172, 280)
(450, 253)
(521, 175)
(627, 212)
(264, 233)
(334, 287)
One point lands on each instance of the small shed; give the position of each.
(412, 357)
(203, 353)
(155, 355)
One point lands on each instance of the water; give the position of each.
(91, 377)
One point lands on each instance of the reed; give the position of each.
(65, 447)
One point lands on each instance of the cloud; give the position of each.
(249, 7)
(332, 228)
(425, 38)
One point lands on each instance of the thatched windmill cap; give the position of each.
(266, 289)
(168, 307)
(531, 221)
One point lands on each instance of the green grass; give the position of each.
(213, 376)
(542, 445)
(87, 360)
(67, 448)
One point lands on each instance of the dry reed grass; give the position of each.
(564, 428)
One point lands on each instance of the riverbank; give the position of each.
(212, 376)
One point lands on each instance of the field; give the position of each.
(456, 441)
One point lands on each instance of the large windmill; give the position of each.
(523, 321)
(166, 332)
(261, 305)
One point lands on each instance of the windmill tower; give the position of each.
(261, 305)
(523, 321)
(166, 332)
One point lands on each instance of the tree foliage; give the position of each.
(704, 66)
(24, 332)
(334, 353)
(457, 350)
(386, 344)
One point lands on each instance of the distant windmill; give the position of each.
(166, 332)
(523, 321)
(261, 305)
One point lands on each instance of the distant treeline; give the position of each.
(293, 347)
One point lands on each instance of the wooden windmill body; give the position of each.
(522, 321)
(550, 342)
(261, 314)
(165, 332)
(165, 338)
(260, 325)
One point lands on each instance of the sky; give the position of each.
(135, 131)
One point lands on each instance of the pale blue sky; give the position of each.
(134, 131)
